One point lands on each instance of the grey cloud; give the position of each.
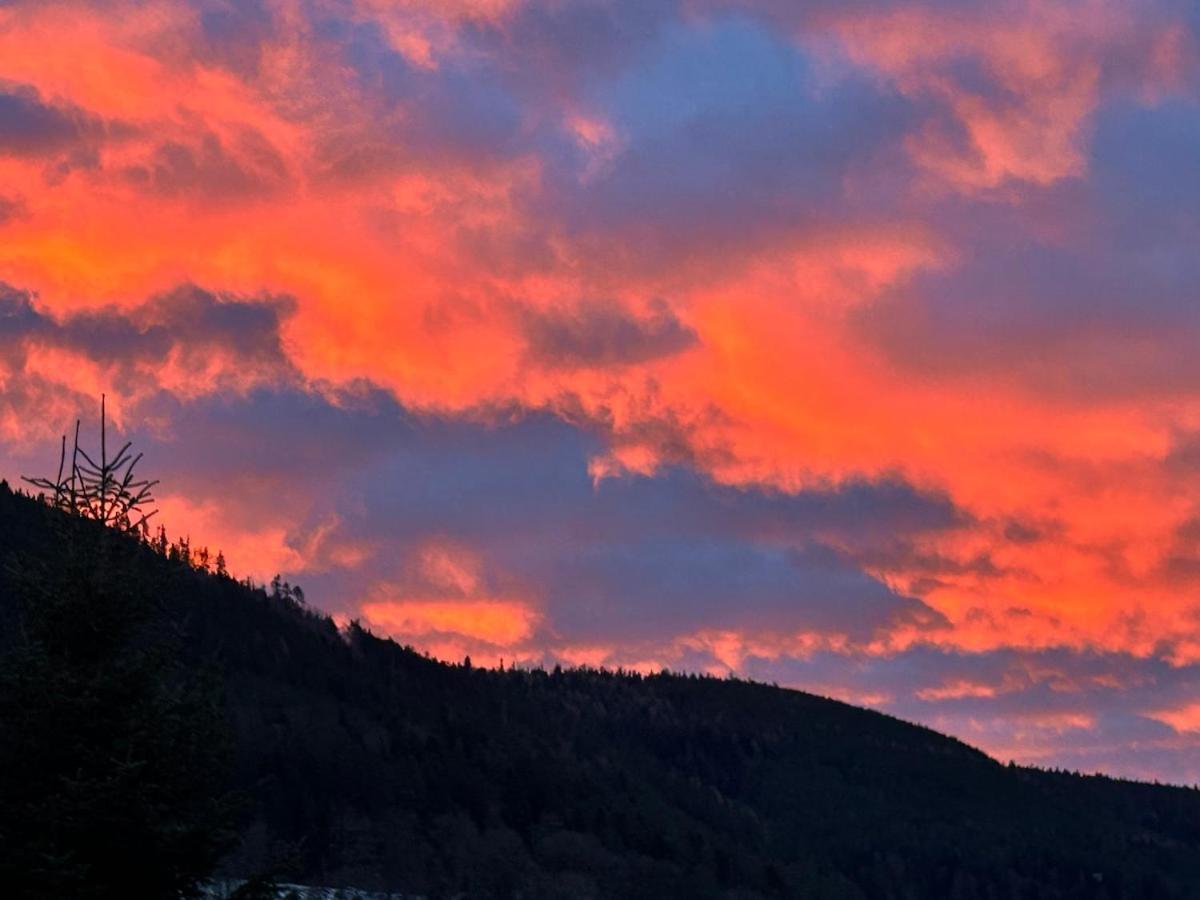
(603, 335)
(32, 127)
(628, 558)
(189, 320)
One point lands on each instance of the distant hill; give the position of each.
(356, 761)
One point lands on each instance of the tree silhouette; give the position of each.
(115, 754)
(106, 491)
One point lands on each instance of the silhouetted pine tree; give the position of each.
(113, 755)
(105, 488)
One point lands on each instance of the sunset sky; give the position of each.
(853, 346)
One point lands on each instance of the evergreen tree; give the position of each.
(112, 756)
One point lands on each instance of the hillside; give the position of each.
(354, 760)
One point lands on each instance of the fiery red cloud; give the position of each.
(848, 347)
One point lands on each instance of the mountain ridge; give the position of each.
(362, 762)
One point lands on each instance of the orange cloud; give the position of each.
(1184, 718)
(1045, 64)
(958, 689)
(496, 621)
(259, 553)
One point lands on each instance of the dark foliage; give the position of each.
(367, 764)
(113, 755)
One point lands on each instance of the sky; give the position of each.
(845, 345)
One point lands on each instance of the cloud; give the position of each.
(31, 127)
(188, 319)
(408, 515)
(206, 166)
(498, 622)
(187, 341)
(602, 335)
(1014, 86)
(630, 559)
(663, 586)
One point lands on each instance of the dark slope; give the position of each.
(368, 764)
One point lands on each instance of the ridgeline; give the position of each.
(162, 725)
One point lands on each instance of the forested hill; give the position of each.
(351, 760)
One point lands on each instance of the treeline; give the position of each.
(351, 760)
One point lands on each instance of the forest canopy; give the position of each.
(164, 723)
